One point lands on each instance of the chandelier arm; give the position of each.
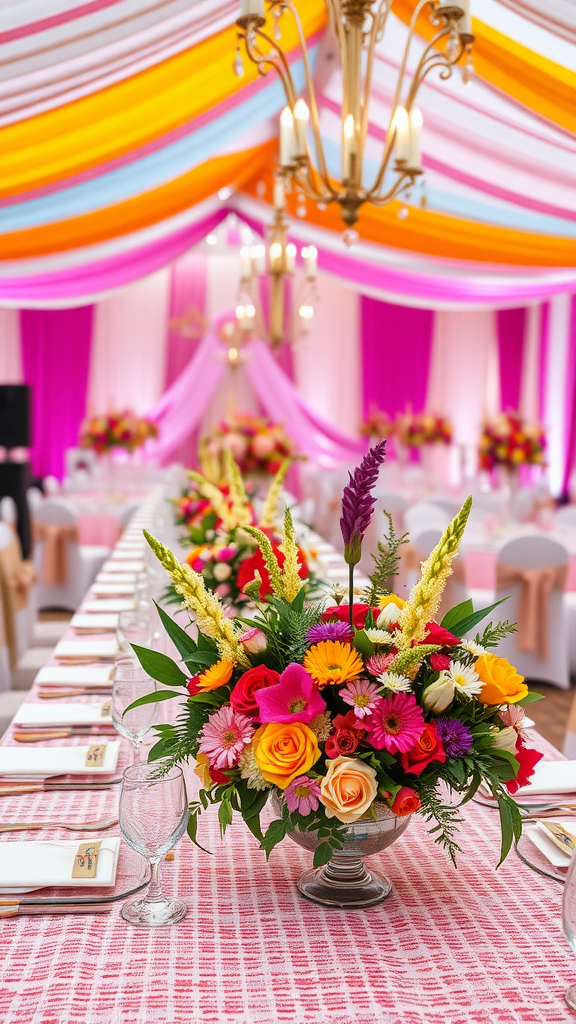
(430, 59)
(411, 31)
(402, 184)
(304, 177)
(277, 61)
(378, 27)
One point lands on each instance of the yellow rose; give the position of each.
(284, 751)
(502, 683)
(391, 599)
(348, 788)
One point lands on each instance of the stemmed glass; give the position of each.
(134, 627)
(153, 817)
(569, 920)
(131, 682)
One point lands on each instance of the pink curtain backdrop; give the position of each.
(10, 356)
(510, 331)
(187, 292)
(56, 357)
(570, 400)
(543, 358)
(396, 348)
(181, 409)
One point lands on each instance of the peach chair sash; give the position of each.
(54, 555)
(536, 586)
(16, 579)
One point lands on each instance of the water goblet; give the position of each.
(569, 921)
(134, 627)
(131, 682)
(153, 816)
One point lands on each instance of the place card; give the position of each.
(86, 860)
(95, 755)
(106, 709)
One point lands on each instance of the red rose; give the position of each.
(192, 686)
(436, 635)
(248, 567)
(439, 662)
(220, 778)
(340, 612)
(341, 741)
(407, 801)
(242, 697)
(349, 721)
(426, 749)
(528, 759)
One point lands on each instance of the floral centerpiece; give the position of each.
(347, 715)
(116, 430)
(377, 424)
(415, 430)
(510, 441)
(258, 445)
(214, 520)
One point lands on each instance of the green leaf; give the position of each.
(506, 827)
(322, 854)
(192, 829)
(275, 833)
(205, 643)
(298, 602)
(200, 658)
(211, 697)
(457, 613)
(363, 644)
(464, 626)
(184, 643)
(152, 698)
(530, 698)
(224, 816)
(160, 666)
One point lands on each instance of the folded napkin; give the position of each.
(553, 853)
(116, 577)
(75, 675)
(94, 623)
(122, 565)
(110, 604)
(48, 713)
(35, 865)
(105, 649)
(550, 778)
(46, 761)
(111, 589)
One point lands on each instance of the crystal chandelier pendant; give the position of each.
(238, 66)
(350, 237)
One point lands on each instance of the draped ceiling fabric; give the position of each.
(126, 135)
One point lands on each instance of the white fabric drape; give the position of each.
(555, 394)
(10, 356)
(127, 368)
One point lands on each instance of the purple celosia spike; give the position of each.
(358, 502)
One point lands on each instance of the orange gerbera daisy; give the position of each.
(331, 661)
(215, 676)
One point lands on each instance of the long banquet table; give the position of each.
(472, 946)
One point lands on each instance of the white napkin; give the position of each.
(550, 777)
(106, 649)
(553, 853)
(47, 713)
(75, 675)
(111, 604)
(122, 563)
(111, 589)
(46, 761)
(94, 623)
(35, 865)
(116, 577)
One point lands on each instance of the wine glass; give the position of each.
(153, 816)
(569, 920)
(131, 682)
(134, 627)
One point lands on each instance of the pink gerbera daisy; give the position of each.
(396, 723)
(302, 795)
(224, 737)
(362, 695)
(376, 664)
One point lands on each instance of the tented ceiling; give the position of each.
(125, 129)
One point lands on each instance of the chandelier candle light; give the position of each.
(358, 26)
(278, 259)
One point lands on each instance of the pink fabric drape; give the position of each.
(187, 292)
(396, 349)
(56, 356)
(570, 400)
(510, 331)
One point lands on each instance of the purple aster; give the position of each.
(330, 631)
(302, 795)
(456, 737)
(358, 502)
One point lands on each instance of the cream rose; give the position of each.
(348, 789)
(439, 694)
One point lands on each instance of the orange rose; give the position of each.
(502, 683)
(348, 788)
(284, 751)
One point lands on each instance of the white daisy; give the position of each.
(378, 636)
(465, 679)
(394, 682)
(473, 648)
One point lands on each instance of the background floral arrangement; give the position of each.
(377, 424)
(417, 429)
(116, 430)
(509, 440)
(257, 444)
(336, 709)
(214, 519)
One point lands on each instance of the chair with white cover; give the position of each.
(65, 568)
(448, 505)
(565, 517)
(532, 570)
(423, 516)
(455, 591)
(51, 486)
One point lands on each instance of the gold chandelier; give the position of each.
(289, 316)
(358, 25)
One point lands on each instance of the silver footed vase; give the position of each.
(346, 881)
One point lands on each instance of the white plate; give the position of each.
(42, 762)
(123, 564)
(26, 866)
(111, 589)
(107, 649)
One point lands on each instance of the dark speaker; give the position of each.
(15, 416)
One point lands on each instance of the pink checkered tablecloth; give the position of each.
(472, 946)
